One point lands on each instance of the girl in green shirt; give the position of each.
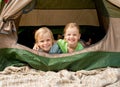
(70, 43)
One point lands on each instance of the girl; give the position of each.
(43, 39)
(70, 43)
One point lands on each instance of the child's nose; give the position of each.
(45, 42)
(71, 35)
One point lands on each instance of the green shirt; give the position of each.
(63, 46)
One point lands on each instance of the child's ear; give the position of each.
(79, 36)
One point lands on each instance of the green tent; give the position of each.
(105, 13)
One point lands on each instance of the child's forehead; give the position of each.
(72, 29)
(44, 39)
(45, 34)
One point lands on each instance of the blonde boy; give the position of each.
(43, 39)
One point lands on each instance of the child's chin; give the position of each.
(71, 43)
(46, 50)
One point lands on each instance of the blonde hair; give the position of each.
(41, 31)
(71, 25)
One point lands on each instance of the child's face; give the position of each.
(72, 36)
(45, 42)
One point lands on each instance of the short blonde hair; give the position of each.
(71, 25)
(41, 31)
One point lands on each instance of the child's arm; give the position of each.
(55, 49)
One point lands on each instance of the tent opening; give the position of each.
(26, 34)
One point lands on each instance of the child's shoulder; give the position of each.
(61, 41)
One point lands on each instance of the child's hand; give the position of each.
(36, 47)
(70, 50)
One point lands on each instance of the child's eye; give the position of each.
(48, 39)
(74, 34)
(68, 34)
(41, 41)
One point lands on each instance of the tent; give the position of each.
(100, 55)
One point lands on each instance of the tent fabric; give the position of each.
(64, 4)
(41, 18)
(10, 12)
(82, 15)
(115, 2)
(102, 54)
(107, 9)
(79, 11)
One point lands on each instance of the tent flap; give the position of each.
(86, 61)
